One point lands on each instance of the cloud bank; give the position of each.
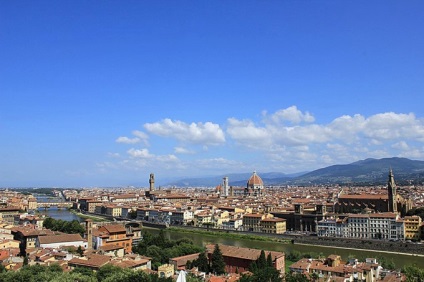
(288, 140)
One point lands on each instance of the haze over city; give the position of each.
(104, 93)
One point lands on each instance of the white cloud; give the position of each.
(114, 155)
(347, 129)
(248, 134)
(402, 145)
(181, 150)
(343, 140)
(127, 140)
(293, 115)
(413, 153)
(206, 133)
(288, 140)
(140, 136)
(143, 153)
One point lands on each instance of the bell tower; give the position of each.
(391, 190)
(89, 233)
(152, 182)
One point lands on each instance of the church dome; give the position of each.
(255, 180)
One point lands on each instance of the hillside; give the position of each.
(234, 179)
(365, 171)
(368, 171)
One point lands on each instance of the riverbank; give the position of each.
(363, 245)
(85, 216)
(314, 250)
(365, 250)
(227, 234)
(341, 243)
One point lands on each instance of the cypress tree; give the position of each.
(218, 263)
(269, 261)
(202, 262)
(261, 261)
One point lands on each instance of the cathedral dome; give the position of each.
(255, 180)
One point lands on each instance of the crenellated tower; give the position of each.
(152, 182)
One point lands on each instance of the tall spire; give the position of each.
(391, 190)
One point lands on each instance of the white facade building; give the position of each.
(386, 226)
(57, 241)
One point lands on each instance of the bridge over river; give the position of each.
(59, 205)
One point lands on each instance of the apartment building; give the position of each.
(252, 222)
(333, 227)
(412, 227)
(273, 225)
(364, 226)
(182, 217)
(112, 234)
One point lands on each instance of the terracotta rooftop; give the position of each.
(59, 238)
(243, 253)
(365, 196)
(114, 228)
(273, 220)
(94, 260)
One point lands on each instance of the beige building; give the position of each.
(113, 210)
(412, 227)
(252, 221)
(8, 214)
(273, 225)
(6, 244)
(202, 219)
(91, 205)
(166, 270)
(32, 203)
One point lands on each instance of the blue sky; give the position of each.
(102, 93)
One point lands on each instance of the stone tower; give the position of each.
(391, 190)
(89, 233)
(152, 182)
(225, 186)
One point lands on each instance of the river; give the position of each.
(202, 240)
(54, 212)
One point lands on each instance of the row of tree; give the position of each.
(54, 273)
(216, 265)
(161, 249)
(70, 227)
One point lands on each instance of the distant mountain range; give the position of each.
(368, 171)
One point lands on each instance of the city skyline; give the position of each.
(105, 93)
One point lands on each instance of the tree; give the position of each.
(107, 271)
(217, 261)
(413, 273)
(314, 276)
(83, 271)
(132, 214)
(296, 277)
(80, 251)
(202, 262)
(261, 261)
(25, 262)
(269, 260)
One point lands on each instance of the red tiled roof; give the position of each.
(60, 238)
(243, 253)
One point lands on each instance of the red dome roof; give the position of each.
(255, 180)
